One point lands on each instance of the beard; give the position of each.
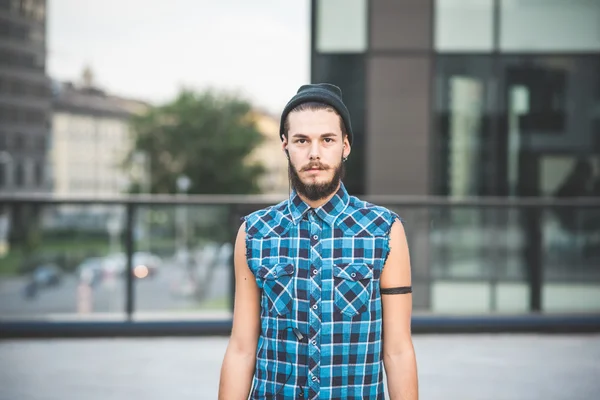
(316, 191)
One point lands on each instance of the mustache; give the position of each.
(317, 165)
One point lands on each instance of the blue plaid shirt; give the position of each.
(318, 271)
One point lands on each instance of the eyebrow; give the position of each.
(303, 136)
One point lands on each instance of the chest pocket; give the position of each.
(352, 287)
(277, 282)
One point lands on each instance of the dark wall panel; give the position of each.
(401, 24)
(398, 125)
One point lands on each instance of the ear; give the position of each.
(347, 148)
(284, 144)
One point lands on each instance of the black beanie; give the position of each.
(322, 93)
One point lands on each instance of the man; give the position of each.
(323, 285)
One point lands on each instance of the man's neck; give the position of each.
(320, 202)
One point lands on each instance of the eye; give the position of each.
(328, 140)
(301, 141)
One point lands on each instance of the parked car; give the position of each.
(43, 276)
(47, 275)
(144, 264)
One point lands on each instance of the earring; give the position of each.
(345, 159)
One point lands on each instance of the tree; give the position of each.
(204, 136)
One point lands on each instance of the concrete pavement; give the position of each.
(461, 367)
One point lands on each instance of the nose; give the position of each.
(315, 151)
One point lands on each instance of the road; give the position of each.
(152, 295)
(452, 367)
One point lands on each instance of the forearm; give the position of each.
(401, 371)
(236, 375)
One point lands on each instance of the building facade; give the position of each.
(24, 97)
(466, 98)
(90, 139)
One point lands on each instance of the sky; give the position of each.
(149, 49)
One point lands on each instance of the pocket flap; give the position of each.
(272, 272)
(353, 271)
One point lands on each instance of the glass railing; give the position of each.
(54, 261)
(66, 261)
(188, 251)
(170, 258)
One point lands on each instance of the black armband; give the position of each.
(397, 290)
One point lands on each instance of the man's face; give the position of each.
(316, 148)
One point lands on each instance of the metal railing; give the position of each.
(479, 264)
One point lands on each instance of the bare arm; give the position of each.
(398, 352)
(240, 357)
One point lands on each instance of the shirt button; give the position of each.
(314, 342)
(315, 307)
(315, 237)
(353, 274)
(314, 271)
(314, 378)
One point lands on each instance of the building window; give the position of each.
(38, 172)
(13, 58)
(34, 10)
(39, 61)
(14, 30)
(19, 174)
(549, 111)
(19, 142)
(341, 26)
(550, 25)
(463, 109)
(520, 127)
(18, 87)
(21, 115)
(464, 25)
(41, 143)
(5, 28)
(37, 35)
(35, 117)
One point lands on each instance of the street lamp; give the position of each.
(142, 164)
(143, 175)
(183, 185)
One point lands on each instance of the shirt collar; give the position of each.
(328, 212)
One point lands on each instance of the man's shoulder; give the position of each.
(358, 205)
(370, 217)
(273, 219)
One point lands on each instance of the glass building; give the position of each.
(476, 98)
(466, 97)
(24, 97)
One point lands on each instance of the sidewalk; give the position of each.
(461, 367)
